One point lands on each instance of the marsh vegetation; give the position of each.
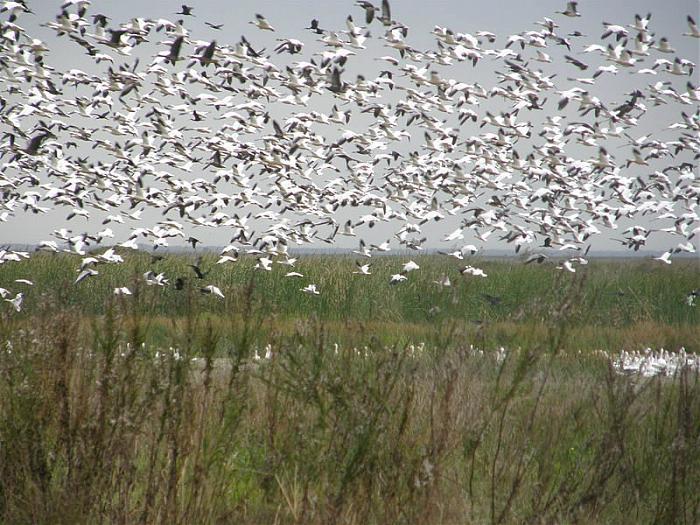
(360, 405)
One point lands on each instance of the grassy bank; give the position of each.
(619, 304)
(373, 406)
(113, 431)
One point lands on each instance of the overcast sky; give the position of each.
(291, 17)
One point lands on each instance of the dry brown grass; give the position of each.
(131, 416)
(98, 426)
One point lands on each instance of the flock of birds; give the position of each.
(651, 363)
(645, 363)
(163, 135)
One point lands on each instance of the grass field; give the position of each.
(379, 404)
(618, 305)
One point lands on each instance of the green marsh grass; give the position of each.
(623, 303)
(371, 410)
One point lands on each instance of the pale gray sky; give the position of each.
(291, 17)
